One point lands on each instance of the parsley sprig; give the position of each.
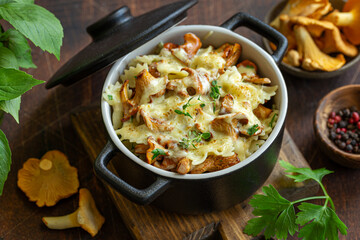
(277, 215)
(193, 137)
(157, 152)
(188, 104)
(214, 92)
(253, 129)
(272, 120)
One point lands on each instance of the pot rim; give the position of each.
(113, 73)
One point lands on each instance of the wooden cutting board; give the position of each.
(148, 222)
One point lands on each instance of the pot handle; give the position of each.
(244, 19)
(139, 196)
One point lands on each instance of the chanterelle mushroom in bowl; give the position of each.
(214, 104)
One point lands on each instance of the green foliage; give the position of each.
(276, 215)
(193, 136)
(35, 23)
(253, 129)
(214, 93)
(31, 22)
(5, 159)
(157, 152)
(14, 83)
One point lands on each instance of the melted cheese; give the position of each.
(207, 63)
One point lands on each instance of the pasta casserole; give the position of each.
(189, 109)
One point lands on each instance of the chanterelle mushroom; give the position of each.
(86, 216)
(48, 180)
(333, 41)
(308, 8)
(348, 19)
(313, 58)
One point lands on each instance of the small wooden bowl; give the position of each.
(339, 98)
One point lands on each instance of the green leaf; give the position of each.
(206, 135)
(312, 231)
(285, 224)
(304, 173)
(183, 113)
(253, 129)
(274, 212)
(7, 58)
(214, 90)
(5, 160)
(157, 152)
(11, 106)
(272, 120)
(14, 83)
(271, 200)
(320, 221)
(18, 1)
(18, 44)
(36, 23)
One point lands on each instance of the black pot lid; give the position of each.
(116, 35)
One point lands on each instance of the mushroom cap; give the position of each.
(88, 216)
(311, 8)
(352, 32)
(48, 180)
(313, 58)
(333, 41)
(315, 27)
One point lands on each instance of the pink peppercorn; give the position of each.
(337, 119)
(331, 121)
(343, 130)
(351, 120)
(355, 116)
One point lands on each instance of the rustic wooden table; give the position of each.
(45, 121)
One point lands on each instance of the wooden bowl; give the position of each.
(339, 98)
(298, 71)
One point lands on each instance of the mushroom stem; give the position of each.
(62, 222)
(86, 216)
(341, 18)
(45, 164)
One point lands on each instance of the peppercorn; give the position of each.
(342, 124)
(349, 148)
(344, 129)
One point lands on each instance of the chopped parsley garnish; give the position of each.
(187, 104)
(183, 113)
(157, 152)
(252, 130)
(193, 137)
(110, 97)
(272, 120)
(249, 66)
(215, 92)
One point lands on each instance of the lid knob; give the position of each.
(107, 24)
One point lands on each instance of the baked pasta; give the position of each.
(192, 110)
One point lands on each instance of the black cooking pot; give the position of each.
(143, 183)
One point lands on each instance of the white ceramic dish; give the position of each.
(220, 35)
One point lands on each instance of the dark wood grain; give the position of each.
(45, 121)
(148, 222)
